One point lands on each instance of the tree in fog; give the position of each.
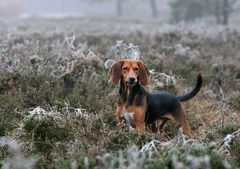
(189, 10)
(119, 7)
(223, 9)
(153, 5)
(154, 8)
(227, 8)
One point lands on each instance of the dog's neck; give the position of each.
(128, 93)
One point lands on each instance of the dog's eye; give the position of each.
(136, 69)
(125, 68)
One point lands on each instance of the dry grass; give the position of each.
(57, 66)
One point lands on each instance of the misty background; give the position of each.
(173, 11)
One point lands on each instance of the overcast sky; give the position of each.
(139, 8)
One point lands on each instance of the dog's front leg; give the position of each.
(138, 118)
(120, 113)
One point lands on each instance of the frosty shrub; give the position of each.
(46, 65)
(44, 129)
(16, 158)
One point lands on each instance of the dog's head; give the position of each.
(131, 71)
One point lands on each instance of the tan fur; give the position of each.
(115, 72)
(120, 112)
(144, 74)
(137, 69)
(138, 117)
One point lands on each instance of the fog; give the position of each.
(218, 11)
(83, 8)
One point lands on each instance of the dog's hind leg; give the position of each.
(183, 123)
(185, 126)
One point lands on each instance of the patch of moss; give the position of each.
(45, 133)
(4, 153)
(237, 74)
(9, 118)
(121, 140)
(235, 152)
(171, 129)
(216, 160)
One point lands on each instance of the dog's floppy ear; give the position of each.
(144, 73)
(115, 72)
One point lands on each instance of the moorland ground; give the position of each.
(57, 104)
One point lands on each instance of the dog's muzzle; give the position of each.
(132, 80)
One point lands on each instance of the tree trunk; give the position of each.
(217, 12)
(119, 7)
(225, 11)
(154, 8)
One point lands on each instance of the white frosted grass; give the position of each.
(126, 51)
(199, 162)
(69, 40)
(123, 51)
(163, 79)
(18, 161)
(59, 63)
(199, 29)
(108, 63)
(55, 63)
(131, 158)
(224, 145)
(75, 112)
(41, 114)
(180, 50)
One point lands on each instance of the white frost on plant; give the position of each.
(163, 79)
(126, 51)
(176, 163)
(18, 160)
(181, 51)
(39, 113)
(199, 162)
(123, 51)
(108, 63)
(150, 148)
(224, 144)
(133, 157)
(181, 137)
(75, 112)
(70, 40)
(128, 159)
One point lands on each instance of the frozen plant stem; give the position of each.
(222, 102)
(225, 143)
(219, 72)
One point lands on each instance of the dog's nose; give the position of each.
(131, 79)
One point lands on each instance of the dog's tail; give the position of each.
(193, 93)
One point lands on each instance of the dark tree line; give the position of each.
(153, 5)
(189, 10)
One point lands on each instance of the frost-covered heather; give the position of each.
(57, 104)
(133, 157)
(17, 160)
(61, 41)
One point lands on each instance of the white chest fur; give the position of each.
(129, 118)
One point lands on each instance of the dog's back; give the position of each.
(161, 104)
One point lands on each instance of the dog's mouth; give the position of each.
(131, 83)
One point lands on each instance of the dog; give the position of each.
(138, 107)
